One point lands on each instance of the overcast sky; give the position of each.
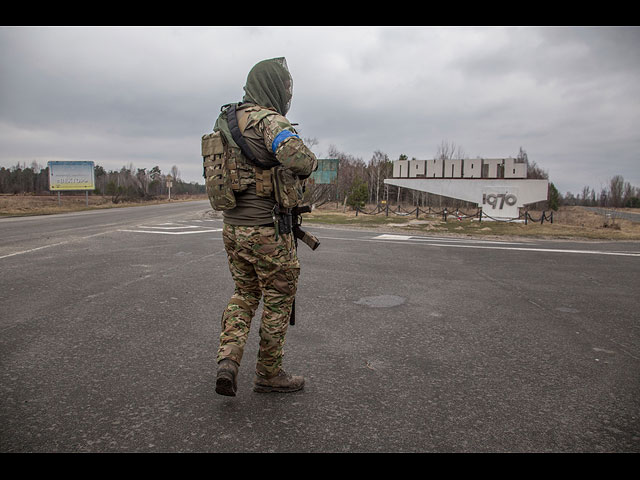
(145, 96)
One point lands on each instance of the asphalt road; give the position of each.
(110, 319)
(610, 213)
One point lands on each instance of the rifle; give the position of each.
(290, 222)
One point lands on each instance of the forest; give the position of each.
(127, 184)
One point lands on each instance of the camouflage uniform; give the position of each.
(263, 265)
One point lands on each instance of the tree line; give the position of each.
(359, 183)
(128, 183)
(617, 193)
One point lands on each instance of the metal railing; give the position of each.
(457, 213)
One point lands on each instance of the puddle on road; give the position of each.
(381, 301)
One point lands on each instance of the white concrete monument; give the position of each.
(498, 185)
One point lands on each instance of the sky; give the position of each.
(144, 96)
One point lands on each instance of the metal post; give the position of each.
(59, 198)
(87, 196)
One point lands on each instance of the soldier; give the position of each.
(264, 165)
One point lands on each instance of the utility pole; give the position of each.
(169, 185)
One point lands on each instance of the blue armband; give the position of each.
(283, 135)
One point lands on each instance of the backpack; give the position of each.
(216, 173)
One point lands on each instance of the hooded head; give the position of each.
(270, 85)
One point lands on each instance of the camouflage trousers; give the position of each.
(262, 268)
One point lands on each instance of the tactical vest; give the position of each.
(227, 170)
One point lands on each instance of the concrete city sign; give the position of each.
(498, 185)
(460, 168)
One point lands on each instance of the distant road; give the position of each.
(23, 233)
(109, 325)
(634, 217)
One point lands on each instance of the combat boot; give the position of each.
(227, 383)
(281, 382)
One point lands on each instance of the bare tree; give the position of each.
(350, 168)
(144, 178)
(522, 155)
(629, 192)
(534, 171)
(616, 190)
(380, 169)
(586, 195)
(318, 194)
(449, 150)
(310, 142)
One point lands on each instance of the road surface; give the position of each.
(110, 322)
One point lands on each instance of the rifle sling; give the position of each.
(232, 120)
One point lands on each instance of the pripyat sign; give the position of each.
(498, 185)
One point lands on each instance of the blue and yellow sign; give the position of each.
(71, 176)
(327, 171)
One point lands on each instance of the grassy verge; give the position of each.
(568, 223)
(24, 205)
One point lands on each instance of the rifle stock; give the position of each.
(311, 241)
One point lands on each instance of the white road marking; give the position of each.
(50, 245)
(177, 228)
(546, 250)
(172, 233)
(33, 249)
(387, 236)
(174, 228)
(404, 239)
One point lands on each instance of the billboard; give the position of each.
(327, 171)
(71, 176)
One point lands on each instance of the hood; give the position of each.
(269, 84)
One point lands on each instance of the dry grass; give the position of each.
(21, 205)
(568, 223)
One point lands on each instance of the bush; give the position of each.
(633, 202)
(359, 194)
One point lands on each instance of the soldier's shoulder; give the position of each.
(276, 123)
(257, 113)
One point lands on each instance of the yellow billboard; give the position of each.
(71, 176)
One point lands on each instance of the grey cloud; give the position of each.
(569, 96)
